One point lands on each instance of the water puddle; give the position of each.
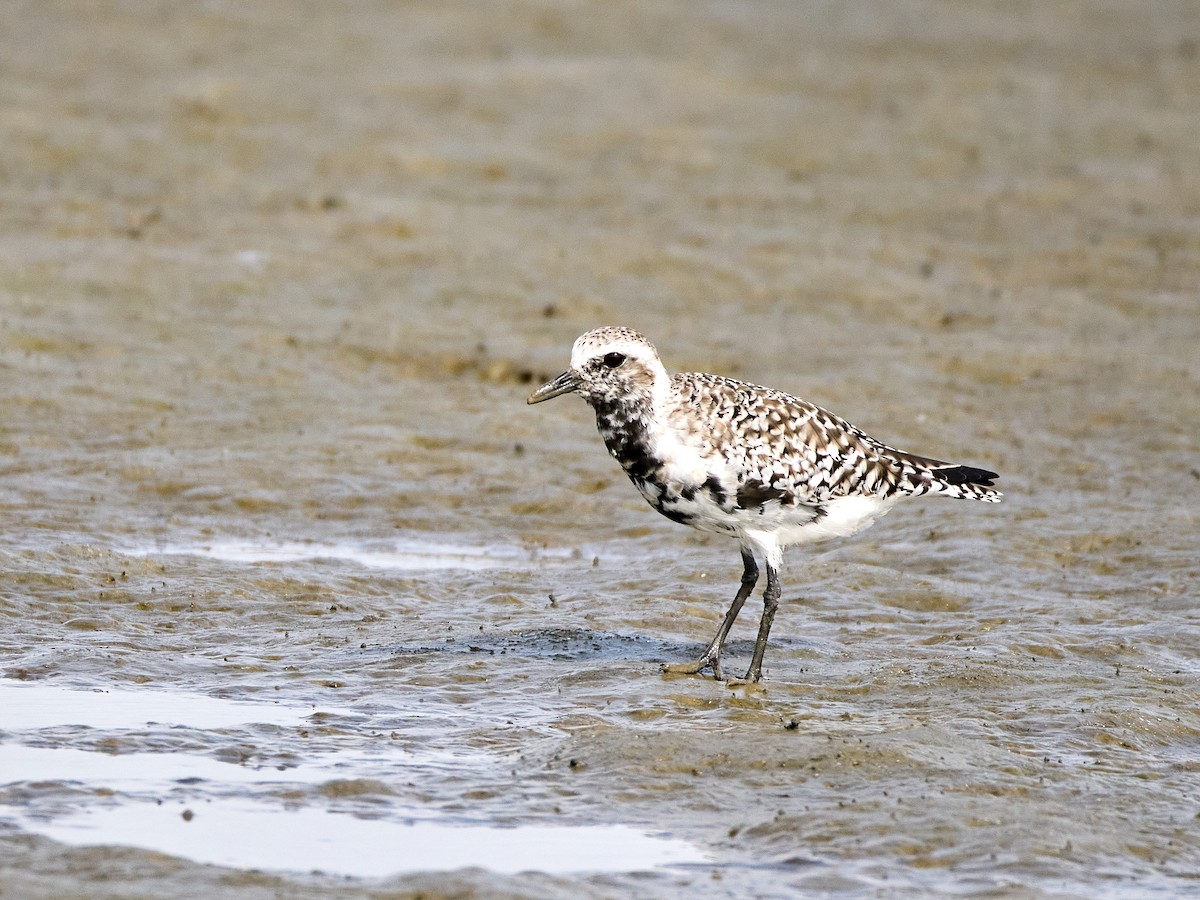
(26, 706)
(246, 835)
(149, 772)
(222, 812)
(397, 556)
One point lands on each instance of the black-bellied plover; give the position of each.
(750, 462)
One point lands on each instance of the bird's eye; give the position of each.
(612, 360)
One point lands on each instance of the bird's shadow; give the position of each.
(567, 644)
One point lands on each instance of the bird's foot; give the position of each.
(750, 679)
(704, 661)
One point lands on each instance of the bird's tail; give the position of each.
(932, 476)
(966, 483)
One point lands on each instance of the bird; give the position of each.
(756, 464)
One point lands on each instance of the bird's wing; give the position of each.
(781, 447)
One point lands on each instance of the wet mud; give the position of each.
(297, 595)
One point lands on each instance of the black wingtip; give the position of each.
(967, 475)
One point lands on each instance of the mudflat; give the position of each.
(291, 579)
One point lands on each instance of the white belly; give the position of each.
(843, 517)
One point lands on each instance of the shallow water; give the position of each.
(228, 811)
(285, 549)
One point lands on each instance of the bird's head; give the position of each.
(608, 365)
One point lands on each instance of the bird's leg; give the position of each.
(770, 604)
(712, 656)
